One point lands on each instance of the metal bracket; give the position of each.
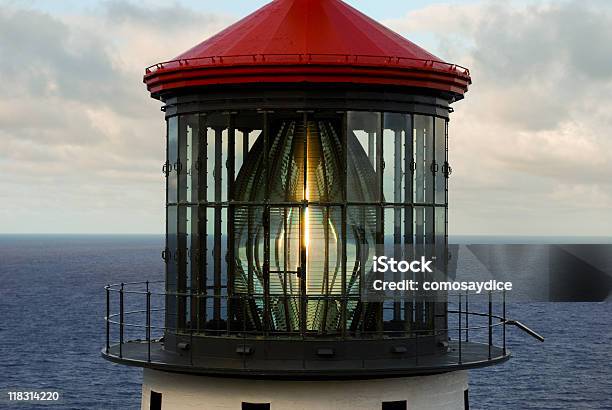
(447, 170)
(434, 167)
(525, 329)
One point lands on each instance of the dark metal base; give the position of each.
(326, 366)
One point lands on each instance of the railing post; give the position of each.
(148, 323)
(504, 320)
(121, 320)
(107, 318)
(460, 328)
(191, 345)
(467, 317)
(490, 322)
(416, 348)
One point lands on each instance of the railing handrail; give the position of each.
(117, 288)
(111, 318)
(123, 320)
(307, 58)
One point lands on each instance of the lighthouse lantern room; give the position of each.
(301, 140)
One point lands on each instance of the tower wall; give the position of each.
(181, 391)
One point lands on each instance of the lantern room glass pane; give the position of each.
(245, 137)
(363, 156)
(323, 267)
(284, 250)
(419, 225)
(171, 265)
(210, 239)
(323, 250)
(216, 156)
(325, 157)
(193, 242)
(362, 233)
(304, 158)
(440, 152)
(398, 222)
(288, 175)
(430, 225)
(249, 173)
(248, 242)
(193, 139)
(424, 152)
(181, 260)
(440, 237)
(397, 154)
(188, 127)
(172, 160)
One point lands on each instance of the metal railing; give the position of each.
(328, 59)
(138, 297)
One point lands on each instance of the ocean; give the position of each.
(52, 306)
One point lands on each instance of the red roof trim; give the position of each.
(344, 59)
(166, 79)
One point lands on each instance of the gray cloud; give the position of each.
(81, 142)
(530, 144)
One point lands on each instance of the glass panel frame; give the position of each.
(382, 174)
(440, 160)
(364, 156)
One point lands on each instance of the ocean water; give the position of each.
(52, 305)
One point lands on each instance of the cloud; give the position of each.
(81, 142)
(530, 144)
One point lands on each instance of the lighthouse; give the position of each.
(301, 141)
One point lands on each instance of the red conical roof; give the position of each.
(315, 41)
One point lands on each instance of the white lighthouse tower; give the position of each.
(300, 140)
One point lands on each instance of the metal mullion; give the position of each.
(446, 183)
(196, 240)
(397, 212)
(326, 235)
(181, 274)
(409, 177)
(285, 270)
(168, 251)
(408, 204)
(266, 223)
(303, 229)
(419, 237)
(380, 220)
(231, 266)
(446, 225)
(266, 269)
(203, 220)
(326, 267)
(344, 183)
(363, 250)
(217, 239)
(245, 144)
(433, 222)
(249, 249)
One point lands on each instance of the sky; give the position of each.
(82, 143)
